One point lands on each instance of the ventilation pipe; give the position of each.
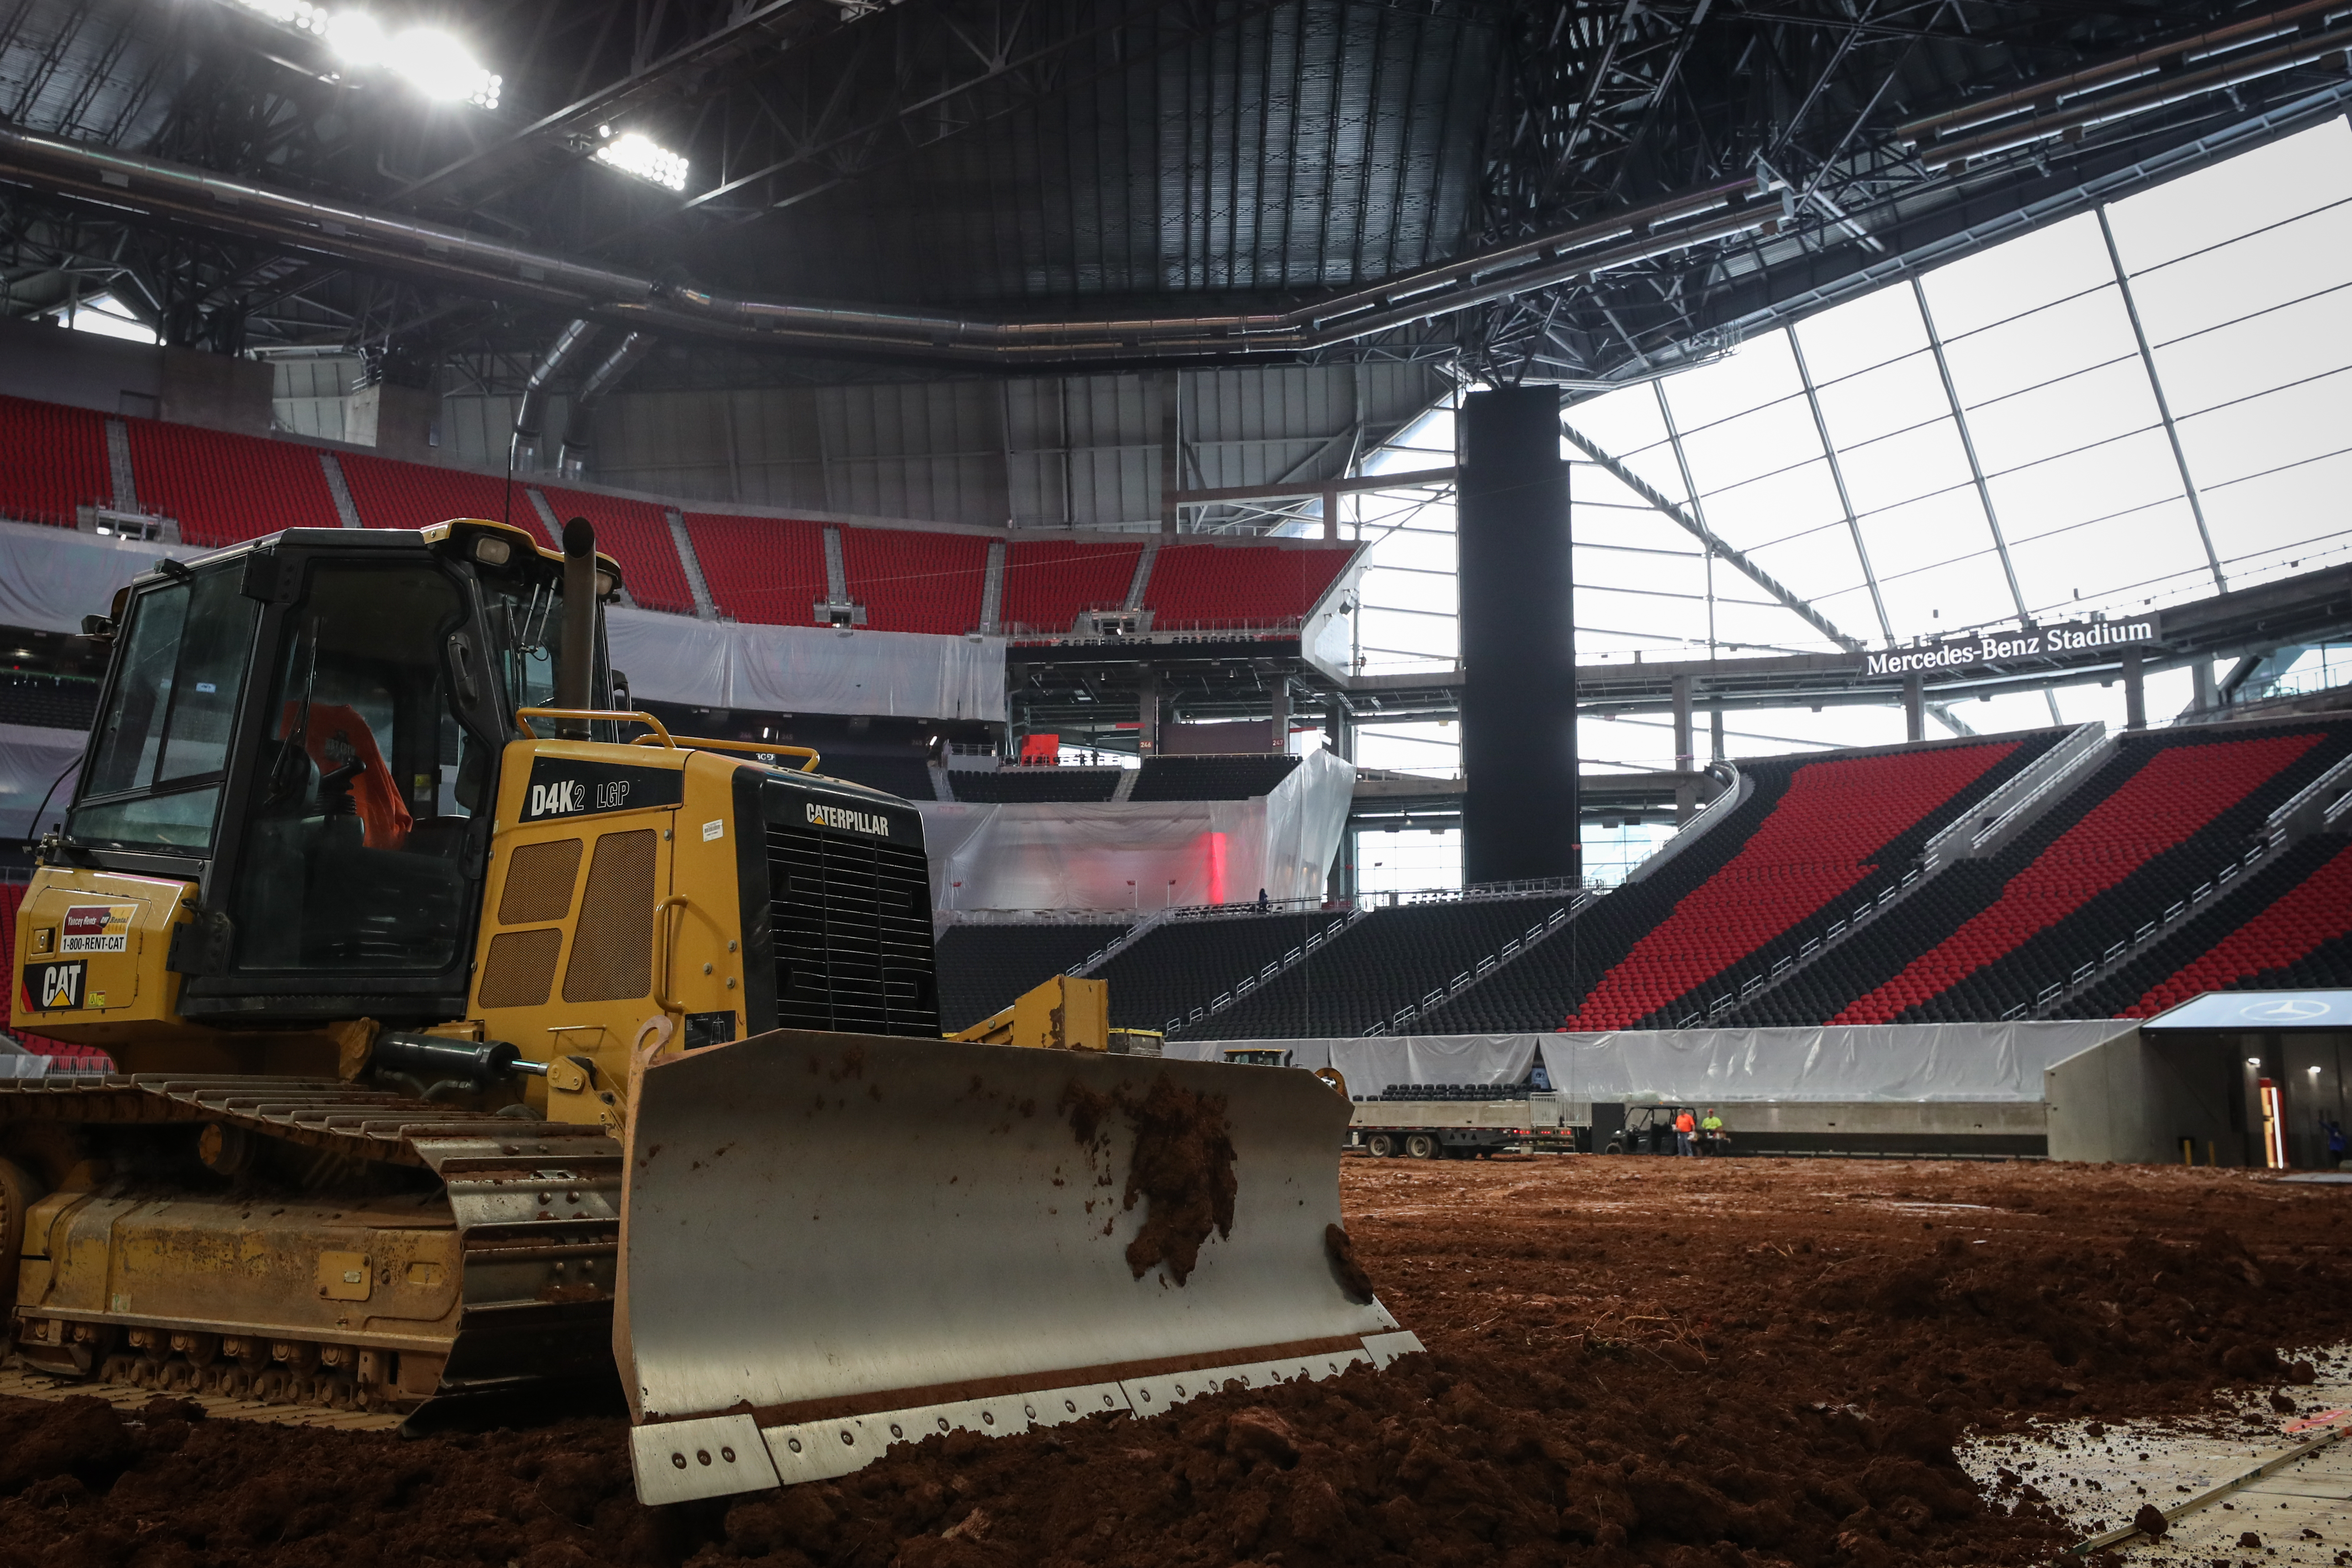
(452, 257)
(522, 452)
(579, 427)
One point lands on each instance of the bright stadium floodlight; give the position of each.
(634, 153)
(428, 59)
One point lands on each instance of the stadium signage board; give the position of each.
(1993, 648)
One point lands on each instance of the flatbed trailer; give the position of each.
(1460, 1129)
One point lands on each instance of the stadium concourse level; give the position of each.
(221, 488)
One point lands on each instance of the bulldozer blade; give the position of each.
(834, 1243)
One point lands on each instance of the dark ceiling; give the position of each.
(1088, 158)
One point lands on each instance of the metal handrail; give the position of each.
(523, 716)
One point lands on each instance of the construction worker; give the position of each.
(1684, 1125)
(1710, 1130)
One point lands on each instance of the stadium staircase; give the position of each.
(2162, 816)
(2277, 910)
(1378, 970)
(983, 967)
(1159, 980)
(1807, 845)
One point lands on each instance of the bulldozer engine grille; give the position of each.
(853, 931)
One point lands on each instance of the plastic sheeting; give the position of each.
(31, 760)
(806, 669)
(1125, 856)
(1843, 1064)
(51, 577)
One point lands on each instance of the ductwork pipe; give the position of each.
(579, 427)
(522, 452)
(435, 253)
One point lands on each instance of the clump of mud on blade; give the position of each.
(1182, 1166)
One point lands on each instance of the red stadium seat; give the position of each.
(52, 460)
(225, 489)
(1232, 587)
(769, 570)
(1049, 582)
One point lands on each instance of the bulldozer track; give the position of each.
(22, 1383)
(537, 1205)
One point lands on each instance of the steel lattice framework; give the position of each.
(1103, 158)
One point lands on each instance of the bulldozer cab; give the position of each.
(310, 732)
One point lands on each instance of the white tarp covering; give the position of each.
(51, 577)
(1130, 854)
(1844, 1063)
(31, 760)
(806, 669)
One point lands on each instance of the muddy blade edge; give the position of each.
(831, 1243)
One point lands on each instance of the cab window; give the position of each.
(356, 831)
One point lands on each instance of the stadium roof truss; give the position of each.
(1586, 192)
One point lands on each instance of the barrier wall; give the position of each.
(1126, 855)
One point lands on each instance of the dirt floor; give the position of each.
(1637, 1360)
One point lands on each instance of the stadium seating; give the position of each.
(1048, 582)
(1559, 975)
(48, 701)
(52, 460)
(2256, 936)
(1263, 587)
(1231, 776)
(906, 777)
(982, 968)
(1388, 960)
(1985, 938)
(768, 570)
(225, 489)
(1055, 784)
(1833, 824)
(391, 494)
(81, 1058)
(636, 534)
(910, 581)
(1183, 964)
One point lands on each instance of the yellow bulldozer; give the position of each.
(474, 1034)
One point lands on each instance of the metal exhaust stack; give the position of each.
(577, 656)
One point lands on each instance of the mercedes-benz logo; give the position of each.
(2292, 1010)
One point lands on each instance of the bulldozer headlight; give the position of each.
(491, 550)
(605, 584)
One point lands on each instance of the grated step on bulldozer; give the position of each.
(476, 1035)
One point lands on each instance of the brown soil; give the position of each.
(1674, 1362)
(1182, 1167)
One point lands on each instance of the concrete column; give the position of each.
(1279, 715)
(1714, 734)
(1170, 455)
(1147, 735)
(2135, 692)
(1338, 733)
(2201, 687)
(1685, 760)
(1519, 640)
(1915, 708)
(1331, 511)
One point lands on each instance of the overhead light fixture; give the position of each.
(633, 153)
(430, 60)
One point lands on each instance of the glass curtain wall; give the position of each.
(2131, 408)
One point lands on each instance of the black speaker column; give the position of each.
(1519, 640)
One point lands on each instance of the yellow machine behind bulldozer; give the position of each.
(474, 1031)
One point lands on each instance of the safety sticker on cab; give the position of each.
(98, 928)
